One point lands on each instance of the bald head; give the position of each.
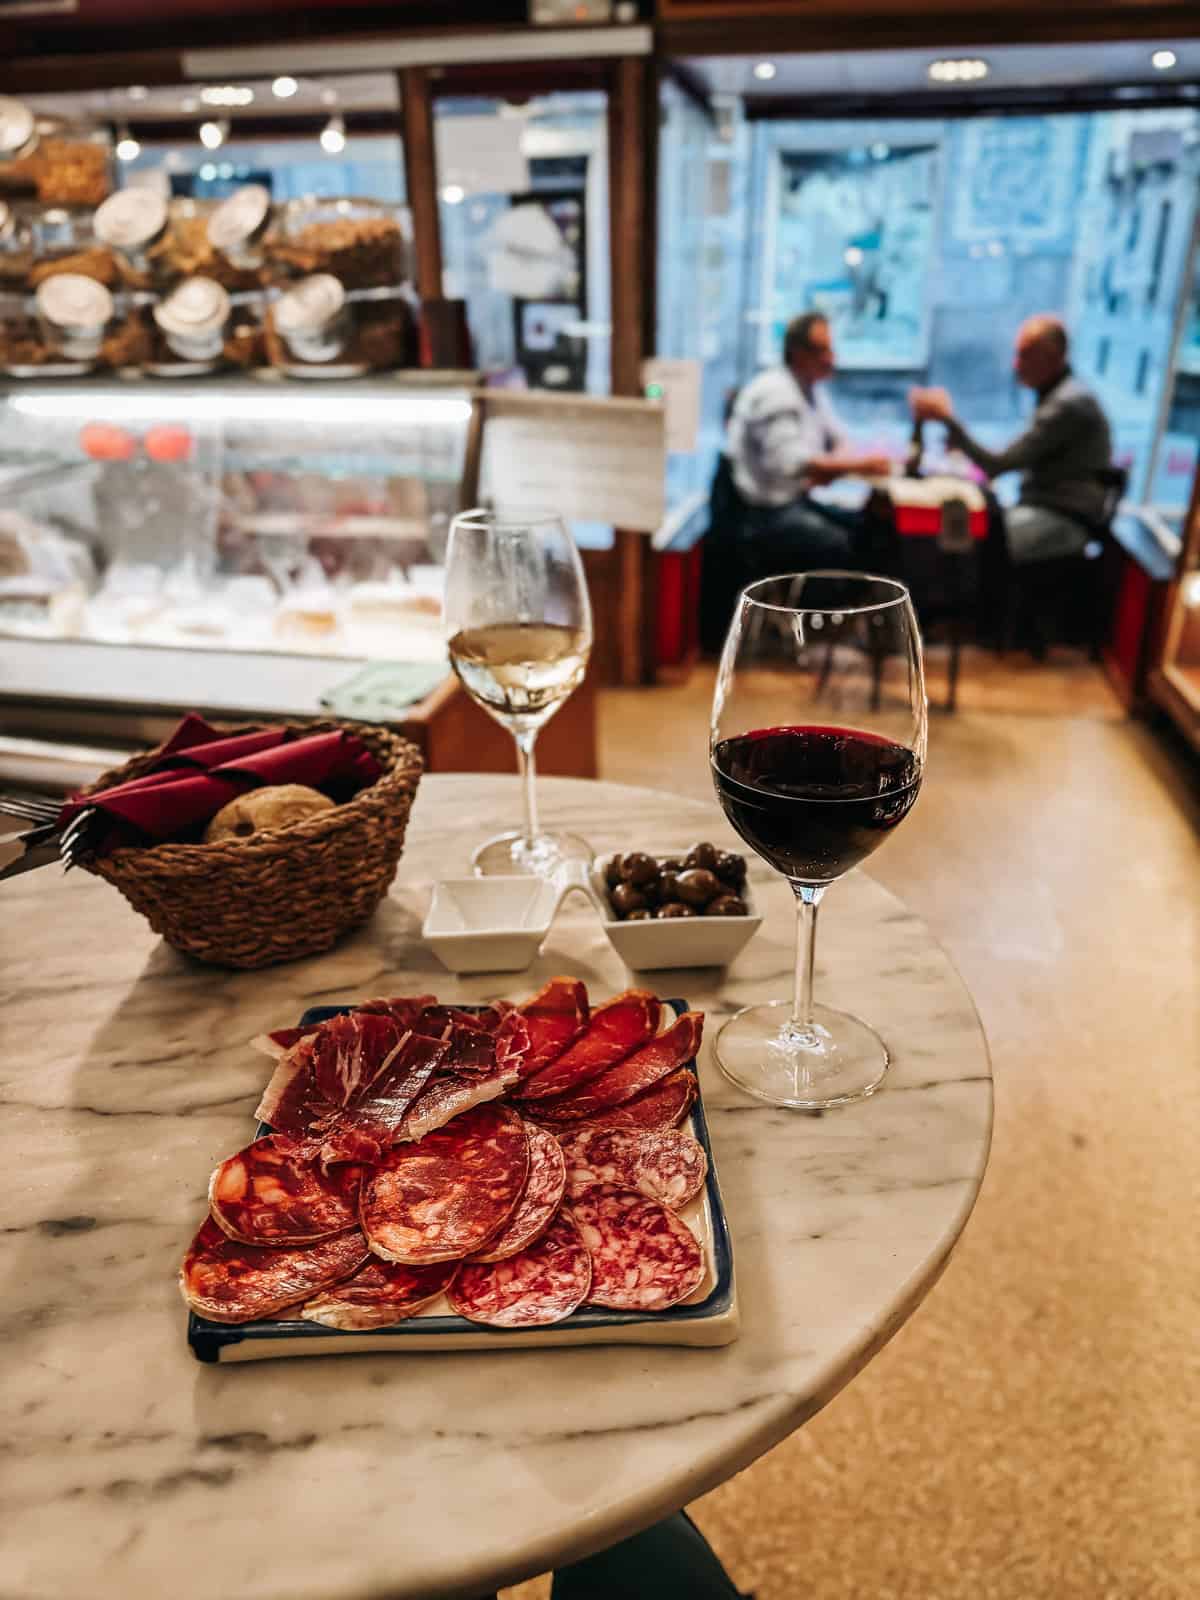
(1040, 352)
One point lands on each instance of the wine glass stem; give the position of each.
(525, 744)
(808, 899)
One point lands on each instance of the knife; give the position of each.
(28, 850)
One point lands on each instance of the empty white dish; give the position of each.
(489, 924)
(673, 941)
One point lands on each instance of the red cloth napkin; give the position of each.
(201, 769)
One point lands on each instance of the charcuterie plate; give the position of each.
(708, 1317)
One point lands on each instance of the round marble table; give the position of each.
(131, 1469)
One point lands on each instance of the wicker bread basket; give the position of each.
(282, 893)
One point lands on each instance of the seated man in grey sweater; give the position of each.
(1061, 454)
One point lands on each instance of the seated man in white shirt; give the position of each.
(784, 438)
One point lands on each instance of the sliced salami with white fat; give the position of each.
(643, 1257)
(270, 1194)
(227, 1281)
(380, 1294)
(447, 1196)
(541, 1198)
(542, 1284)
(668, 1165)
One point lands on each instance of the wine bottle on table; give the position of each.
(916, 449)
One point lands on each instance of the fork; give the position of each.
(38, 809)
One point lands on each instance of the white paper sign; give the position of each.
(679, 383)
(481, 155)
(591, 460)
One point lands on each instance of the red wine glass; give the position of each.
(819, 726)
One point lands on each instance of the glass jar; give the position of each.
(73, 313)
(313, 318)
(185, 250)
(363, 243)
(193, 319)
(60, 162)
(131, 222)
(16, 248)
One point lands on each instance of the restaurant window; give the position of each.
(927, 242)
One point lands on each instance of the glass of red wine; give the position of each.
(818, 750)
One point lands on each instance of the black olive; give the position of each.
(612, 871)
(668, 885)
(642, 915)
(625, 898)
(726, 905)
(675, 908)
(671, 864)
(731, 868)
(639, 868)
(698, 886)
(702, 855)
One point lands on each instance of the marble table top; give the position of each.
(132, 1470)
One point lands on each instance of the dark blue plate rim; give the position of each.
(207, 1339)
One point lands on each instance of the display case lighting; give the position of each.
(454, 194)
(138, 91)
(382, 407)
(1164, 60)
(226, 94)
(765, 70)
(333, 136)
(969, 70)
(284, 88)
(128, 149)
(1190, 590)
(213, 134)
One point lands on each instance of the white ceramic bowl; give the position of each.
(489, 924)
(674, 941)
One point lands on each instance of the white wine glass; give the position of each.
(518, 624)
(819, 725)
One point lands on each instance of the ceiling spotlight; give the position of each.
(138, 91)
(333, 136)
(454, 194)
(284, 88)
(226, 94)
(765, 70)
(128, 149)
(853, 256)
(1164, 60)
(329, 97)
(213, 134)
(970, 70)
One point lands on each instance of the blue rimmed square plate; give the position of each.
(709, 1317)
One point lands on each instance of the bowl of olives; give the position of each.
(690, 908)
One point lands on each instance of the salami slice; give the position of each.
(269, 1194)
(664, 1106)
(615, 1030)
(643, 1257)
(644, 1068)
(555, 1017)
(379, 1294)
(230, 1282)
(667, 1165)
(445, 1197)
(540, 1200)
(542, 1284)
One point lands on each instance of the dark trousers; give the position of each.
(802, 536)
(670, 1561)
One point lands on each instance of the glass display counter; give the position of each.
(245, 546)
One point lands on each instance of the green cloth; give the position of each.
(383, 691)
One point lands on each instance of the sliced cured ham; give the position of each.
(447, 1196)
(380, 1294)
(226, 1281)
(541, 1285)
(615, 1030)
(343, 1091)
(403, 1010)
(645, 1067)
(271, 1194)
(667, 1165)
(540, 1199)
(643, 1257)
(476, 1068)
(555, 1018)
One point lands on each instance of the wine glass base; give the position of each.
(839, 1060)
(508, 854)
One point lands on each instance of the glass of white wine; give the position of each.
(519, 628)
